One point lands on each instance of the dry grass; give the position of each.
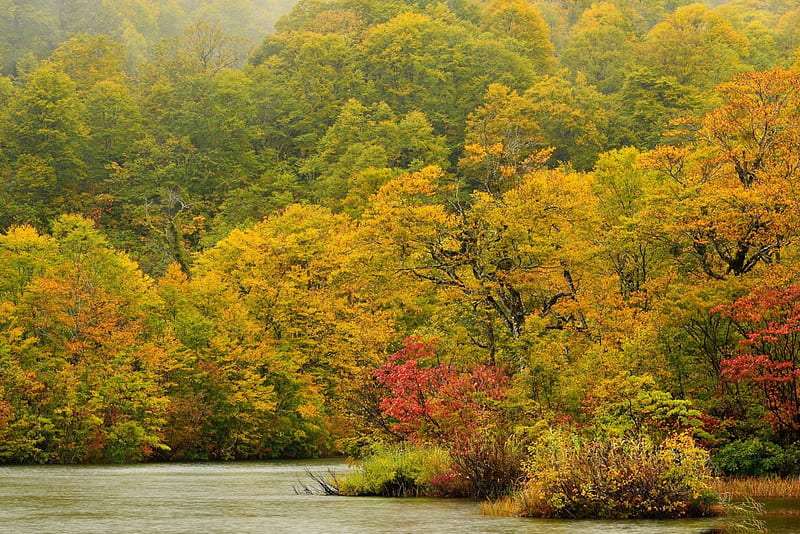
(502, 507)
(759, 487)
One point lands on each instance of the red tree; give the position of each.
(767, 358)
(434, 401)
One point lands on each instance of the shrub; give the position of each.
(754, 457)
(489, 463)
(403, 472)
(569, 476)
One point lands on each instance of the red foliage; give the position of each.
(768, 356)
(435, 401)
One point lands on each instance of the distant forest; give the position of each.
(31, 29)
(242, 229)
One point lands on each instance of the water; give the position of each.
(253, 497)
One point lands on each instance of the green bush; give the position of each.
(402, 472)
(754, 457)
(570, 476)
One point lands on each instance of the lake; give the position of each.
(256, 497)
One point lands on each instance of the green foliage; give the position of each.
(754, 457)
(364, 148)
(636, 405)
(401, 472)
(406, 67)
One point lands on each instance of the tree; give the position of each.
(503, 141)
(601, 47)
(520, 22)
(572, 117)
(501, 260)
(436, 402)
(403, 60)
(737, 208)
(369, 142)
(45, 128)
(78, 331)
(115, 123)
(622, 188)
(304, 78)
(766, 362)
(89, 59)
(647, 103)
(204, 48)
(696, 46)
(299, 291)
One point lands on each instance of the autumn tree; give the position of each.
(503, 141)
(304, 295)
(736, 184)
(433, 401)
(622, 189)
(89, 59)
(78, 330)
(522, 24)
(765, 363)
(503, 259)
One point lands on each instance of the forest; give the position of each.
(479, 228)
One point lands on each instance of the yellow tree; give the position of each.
(499, 259)
(520, 22)
(314, 320)
(79, 329)
(732, 195)
(503, 141)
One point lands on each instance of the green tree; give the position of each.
(303, 79)
(367, 144)
(601, 47)
(696, 46)
(405, 63)
(45, 127)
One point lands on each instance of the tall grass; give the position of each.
(759, 487)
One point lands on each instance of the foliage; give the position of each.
(437, 402)
(488, 462)
(769, 321)
(249, 240)
(753, 457)
(571, 476)
(402, 472)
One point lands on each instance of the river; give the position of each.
(253, 497)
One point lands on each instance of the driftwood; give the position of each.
(323, 485)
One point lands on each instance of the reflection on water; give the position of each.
(252, 497)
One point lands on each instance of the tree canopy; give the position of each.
(226, 235)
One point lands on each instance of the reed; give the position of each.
(759, 487)
(503, 507)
